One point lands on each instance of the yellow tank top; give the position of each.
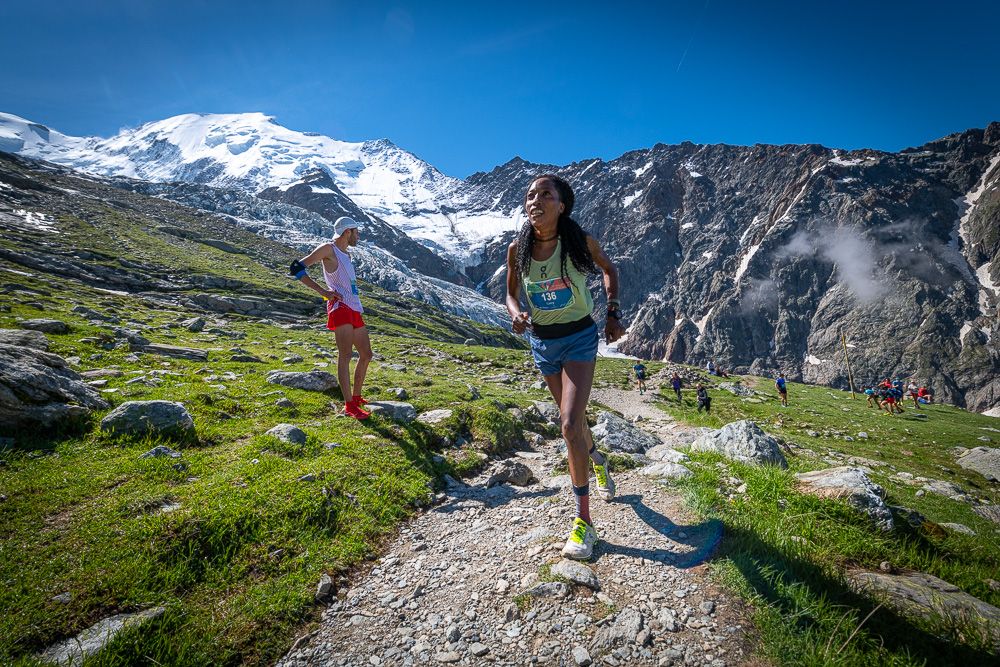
(554, 298)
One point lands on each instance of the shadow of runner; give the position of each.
(704, 537)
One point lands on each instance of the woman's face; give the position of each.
(542, 203)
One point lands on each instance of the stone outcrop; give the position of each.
(617, 434)
(308, 380)
(984, 460)
(395, 410)
(852, 485)
(37, 388)
(917, 593)
(742, 441)
(158, 418)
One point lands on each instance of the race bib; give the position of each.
(551, 294)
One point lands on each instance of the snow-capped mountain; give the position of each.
(252, 152)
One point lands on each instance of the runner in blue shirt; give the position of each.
(640, 376)
(782, 389)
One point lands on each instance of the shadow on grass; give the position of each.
(795, 588)
(704, 537)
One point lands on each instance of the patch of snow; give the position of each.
(628, 199)
(813, 360)
(708, 254)
(702, 322)
(499, 271)
(323, 191)
(849, 162)
(642, 170)
(993, 412)
(677, 322)
(745, 262)
(966, 204)
(35, 221)
(687, 225)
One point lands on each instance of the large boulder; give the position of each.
(288, 433)
(395, 410)
(47, 326)
(308, 380)
(742, 441)
(984, 460)
(510, 471)
(666, 470)
(920, 594)
(38, 389)
(74, 651)
(432, 417)
(620, 435)
(160, 418)
(853, 485)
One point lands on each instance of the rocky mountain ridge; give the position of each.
(759, 257)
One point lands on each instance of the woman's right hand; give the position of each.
(520, 322)
(332, 295)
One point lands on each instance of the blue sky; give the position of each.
(467, 86)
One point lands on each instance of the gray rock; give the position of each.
(291, 359)
(958, 528)
(175, 351)
(920, 594)
(246, 359)
(162, 418)
(548, 410)
(550, 589)
(666, 453)
(46, 326)
(666, 470)
(161, 451)
(324, 589)
(619, 435)
(307, 380)
(576, 572)
(37, 388)
(434, 416)
(946, 489)
(194, 324)
(742, 441)
(284, 403)
(991, 512)
(984, 460)
(853, 485)
(626, 627)
(479, 649)
(288, 433)
(400, 393)
(581, 657)
(395, 410)
(72, 652)
(511, 471)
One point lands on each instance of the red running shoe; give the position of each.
(358, 400)
(352, 409)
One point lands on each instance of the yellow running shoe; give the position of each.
(580, 544)
(605, 485)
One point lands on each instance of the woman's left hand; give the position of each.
(613, 330)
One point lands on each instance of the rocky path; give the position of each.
(478, 579)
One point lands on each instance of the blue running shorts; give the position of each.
(550, 354)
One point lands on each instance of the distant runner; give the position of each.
(911, 391)
(780, 384)
(343, 309)
(675, 382)
(640, 376)
(704, 400)
(550, 259)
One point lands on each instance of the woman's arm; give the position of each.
(613, 329)
(520, 319)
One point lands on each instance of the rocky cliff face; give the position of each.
(760, 256)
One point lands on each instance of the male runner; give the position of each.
(782, 388)
(343, 309)
(640, 376)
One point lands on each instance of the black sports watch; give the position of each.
(615, 313)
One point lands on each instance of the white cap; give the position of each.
(343, 224)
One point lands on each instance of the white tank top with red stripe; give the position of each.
(343, 281)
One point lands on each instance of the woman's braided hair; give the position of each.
(573, 240)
